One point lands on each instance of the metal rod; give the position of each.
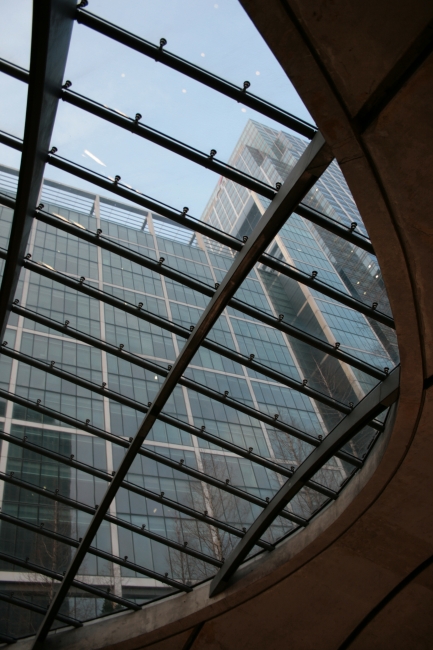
(72, 503)
(96, 591)
(138, 406)
(55, 496)
(162, 269)
(187, 221)
(147, 453)
(380, 398)
(51, 33)
(25, 604)
(131, 487)
(345, 232)
(194, 72)
(163, 372)
(199, 157)
(242, 494)
(105, 243)
(122, 353)
(183, 332)
(311, 165)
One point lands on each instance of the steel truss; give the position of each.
(52, 26)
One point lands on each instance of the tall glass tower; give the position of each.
(221, 451)
(269, 155)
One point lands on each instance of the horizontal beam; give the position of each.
(82, 507)
(147, 133)
(25, 604)
(87, 469)
(318, 218)
(29, 566)
(98, 239)
(185, 333)
(136, 360)
(158, 458)
(162, 269)
(163, 372)
(379, 399)
(104, 391)
(186, 221)
(194, 72)
(137, 489)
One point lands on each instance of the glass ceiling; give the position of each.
(157, 428)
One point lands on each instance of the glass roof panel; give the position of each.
(110, 299)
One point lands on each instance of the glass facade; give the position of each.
(230, 434)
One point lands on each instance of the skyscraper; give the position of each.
(80, 367)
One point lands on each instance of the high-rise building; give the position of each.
(269, 155)
(240, 423)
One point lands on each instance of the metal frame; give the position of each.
(183, 332)
(131, 487)
(53, 20)
(96, 591)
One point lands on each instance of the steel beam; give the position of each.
(200, 476)
(159, 458)
(82, 507)
(122, 353)
(380, 398)
(163, 372)
(56, 221)
(27, 565)
(142, 531)
(194, 72)
(25, 604)
(72, 503)
(51, 33)
(312, 164)
(77, 285)
(130, 487)
(184, 220)
(346, 233)
(104, 391)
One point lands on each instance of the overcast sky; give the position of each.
(217, 36)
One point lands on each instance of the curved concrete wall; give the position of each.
(360, 576)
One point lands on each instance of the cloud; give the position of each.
(94, 158)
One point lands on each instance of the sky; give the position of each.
(217, 36)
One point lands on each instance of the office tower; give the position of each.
(269, 155)
(224, 448)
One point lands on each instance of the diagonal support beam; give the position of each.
(51, 33)
(309, 168)
(382, 396)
